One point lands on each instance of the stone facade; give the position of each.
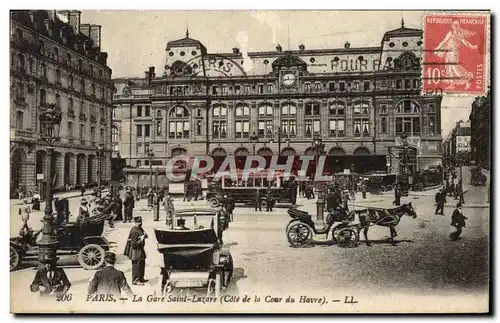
(56, 59)
(359, 100)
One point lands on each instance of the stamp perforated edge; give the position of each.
(487, 81)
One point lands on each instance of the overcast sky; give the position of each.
(136, 40)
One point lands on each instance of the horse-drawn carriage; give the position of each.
(80, 240)
(344, 230)
(194, 259)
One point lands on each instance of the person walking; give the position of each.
(397, 196)
(258, 205)
(134, 250)
(49, 280)
(129, 204)
(83, 211)
(36, 201)
(457, 221)
(269, 200)
(440, 199)
(109, 280)
(168, 205)
(230, 205)
(118, 207)
(156, 206)
(24, 212)
(364, 189)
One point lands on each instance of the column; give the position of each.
(300, 119)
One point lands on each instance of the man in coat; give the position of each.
(118, 207)
(269, 200)
(129, 204)
(50, 280)
(230, 205)
(168, 205)
(156, 206)
(440, 200)
(397, 196)
(457, 221)
(134, 249)
(257, 201)
(109, 280)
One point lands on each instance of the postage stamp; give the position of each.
(456, 56)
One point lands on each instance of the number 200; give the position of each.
(64, 298)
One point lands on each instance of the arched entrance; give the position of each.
(336, 151)
(265, 151)
(241, 151)
(41, 164)
(80, 169)
(361, 151)
(288, 151)
(309, 151)
(91, 178)
(57, 164)
(18, 156)
(219, 152)
(68, 168)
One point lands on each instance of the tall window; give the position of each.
(361, 127)
(82, 86)
(270, 88)
(312, 121)
(92, 134)
(337, 119)
(92, 89)
(361, 107)
(138, 149)
(103, 113)
(289, 120)
(366, 86)
(198, 127)
(43, 69)
(115, 137)
(58, 76)
(179, 123)
(43, 97)
(21, 62)
(70, 81)
(242, 121)
(383, 125)
(219, 122)
(102, 93)
(147, 111)
(265, 125)
(19, 120)
(139, 110)
(432, 126)
(58, 100)
(82, 132)
(138, 130)
(101, 135)
(70, 105)
(147, 130)
(408, 118)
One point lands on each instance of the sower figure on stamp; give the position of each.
(50, 280)
(457, 221)
(109, 280)
(134, 249)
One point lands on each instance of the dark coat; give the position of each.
(59, 282)
(109, 281)
(129, 201)
(457, 218)
(230, 204)
(134, 248)
(119, 205)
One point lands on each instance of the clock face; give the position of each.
(288, 79)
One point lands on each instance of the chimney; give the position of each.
(95, 35)
(347, 45)
(152, 72)
(302, 47)
(74, 20)
(236, 50)
(278, 48)
(146, 76)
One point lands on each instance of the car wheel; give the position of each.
(91, 257)
(15, 258)
(214, 202)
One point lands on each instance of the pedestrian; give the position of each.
(24, 212)
(109, 280)
(258, 205)
(186, 193)
(82, 189)
(118, 207)
(363, 189)
(129, 204)
(440, 199)
(134, 249)
(36, 201)
(168, 205)
(221, 219)
(49, 280)
(269, 200)
(230, 205)
(397, 196)
(156, 207)
(83, 211)
(457, 221)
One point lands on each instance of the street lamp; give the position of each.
(254, 139)
(50, 120)
(151, 154)
(100, 149)
(319, 149)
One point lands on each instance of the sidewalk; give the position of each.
(65, 194)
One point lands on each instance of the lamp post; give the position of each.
(50, 120)
(151, 154)
(254, 139)
(319, 149)
(100, 149)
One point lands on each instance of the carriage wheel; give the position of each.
(383, 189)
(15, 258)
(214, 202)
(91, 256)
(299, 234)
(389, 187)
(347, 237)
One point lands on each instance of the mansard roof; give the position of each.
(186, 42)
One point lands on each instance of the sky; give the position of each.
(136, 40)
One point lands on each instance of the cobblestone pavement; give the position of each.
(424, 261)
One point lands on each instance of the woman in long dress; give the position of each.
(456, 74)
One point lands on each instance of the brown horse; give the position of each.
(384, 218)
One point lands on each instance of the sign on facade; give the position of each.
(39, 176)
(347, 171)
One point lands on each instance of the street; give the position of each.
(424, 261)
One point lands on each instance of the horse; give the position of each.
(385, 218)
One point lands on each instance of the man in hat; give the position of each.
(24, 212)
(397, 196)
(50, 280)
(109, 280)
(169, 209)
(156, 206)
(134, 249)
(257, 201)
(440, 199)
(457, 221)
(181, 225)
(128, 204)
(83, 211)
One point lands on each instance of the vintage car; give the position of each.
(77, 242)
(194, 259)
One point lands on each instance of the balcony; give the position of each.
(23, 134)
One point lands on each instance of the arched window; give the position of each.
(361, 107)
(408, 118)
(336, 119)
(289, 120)
(219, 121)
(70, 105)
(179, 123)
(58, 76)
(20, 120)
(92, 89)
(242, 121)
(313, 119)
(82, 86)
(265, 121)
(70, 129)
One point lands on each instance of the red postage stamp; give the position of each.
(456, 55)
